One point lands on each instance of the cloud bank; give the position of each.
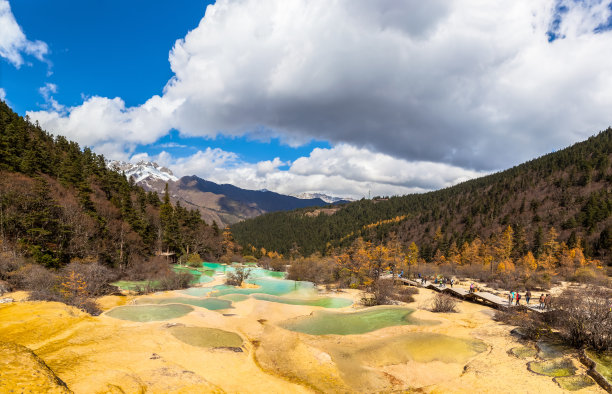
(342, 171)
(448, 84)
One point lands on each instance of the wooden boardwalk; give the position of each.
(481, 297)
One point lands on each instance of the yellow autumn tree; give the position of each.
(395, 254)
(412, 257)
(379, 260)
(529, 263)
(454, 257)
(73, 286)
(503, 244)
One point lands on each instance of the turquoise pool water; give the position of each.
(234, 297)
(325, 302)
(271, 286)
(201, 275)
(339, 323)
(275, 287)
(147, 313)
(196, 291)
(255, 271)
(210, 303)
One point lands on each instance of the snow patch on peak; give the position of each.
(142, 170)
(325, 197)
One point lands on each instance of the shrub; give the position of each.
(315, 269)
(406, 293)
(36, 279)
(236, 278)
(154, 268)
(532, 325)
(4, 287)
(379, 293)
(97, 277)
(444, 303)
(194, 260)
(9, 263)
(90, 307)
(173, 281)
(583, 317)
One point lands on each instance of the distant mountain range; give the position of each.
(325, 197)
(225, 204)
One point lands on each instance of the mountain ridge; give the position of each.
(570, 190)
(222, 203)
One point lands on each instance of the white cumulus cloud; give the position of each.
(13, 42)
(464, 84)
(341, 171)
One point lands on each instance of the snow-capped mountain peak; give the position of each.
(143, 171)
(325, 197)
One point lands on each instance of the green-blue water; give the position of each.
(196, 291)
(134, 284)
(210, 303)
(269, 286)
(147, 313)
(339, 323)
(554, 368)
(234, 297)
(325, 302)
(200, 275)
(255, 271)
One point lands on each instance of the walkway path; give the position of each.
(478, 296)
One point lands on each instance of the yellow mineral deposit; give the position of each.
(246, 349)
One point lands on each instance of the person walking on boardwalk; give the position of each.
(518, 298)
(542, 299)
(510, 297)
(528, 296)
(547, 301)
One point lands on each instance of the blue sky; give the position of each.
(299, 96)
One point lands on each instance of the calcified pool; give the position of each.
(551, 349)
(208, 303)
(206, 337)
(234, 297)
(200, 275)
(339, 323)
(422, 347)
(603, 363)
(256, 272)
(554, 368)
(575, 382)
(325, 302)
(147, 313)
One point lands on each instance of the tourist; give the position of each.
(547, 301)
(510, 297)
(452, 283)
(528, 296)
(518, 298)
(542, 299)
(472, 287)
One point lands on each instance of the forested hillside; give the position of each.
(59, 203)
(565, 194)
